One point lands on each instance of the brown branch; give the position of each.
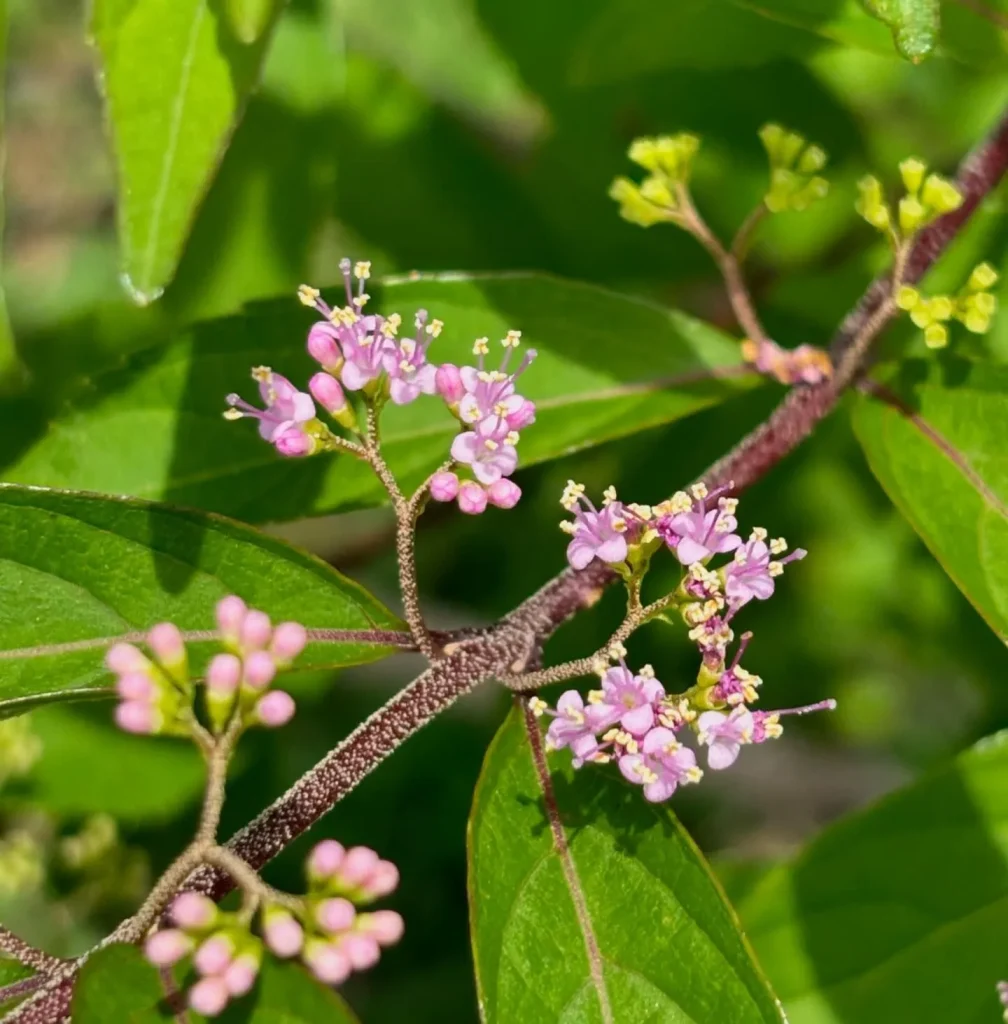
(18, 949)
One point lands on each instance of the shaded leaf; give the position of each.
(287, 994)
(939, 453)
(914, 24)
(175, 75)
(118, 986)
(77, 571)
(897, 912)
(668, 944)
(608, 366)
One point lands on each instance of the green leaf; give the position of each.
(897, 912)
(175, 76)
(250, 18)
(11, 971)
(287, 994)
(622, 876)
(118, 986)
(608, 366)
(914, 24)
(940, 455)
(77, 571)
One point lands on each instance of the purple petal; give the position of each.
(727, 542)
(579, 553)
(629, 765)
(658, 792)
(722, 754)
(689, 551)
(402, 393)
(465, 446)
(613, 550)
(638, 720)
(353, 377)
(658, 739)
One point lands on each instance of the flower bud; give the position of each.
(240, 976)
(231, 612)
(335, 915)
(386, 926)
(444, 486)
(524, 416)
(323, 347)
(283, 934)
(448, 381)
(124, 658)
(472, 499)
(256, 631)
(382, 880)
(193, 911)
(223, 674)
(275, 709)
(294, 443)
(167, 946)
(504, 493)
(209, 996)
(259, 670)
(214, 955)
(166, 642)
(328, 392)
(327, 962)
(361, 950)
(357, 866)
(138, 716)
(289, 639)
(325, 859)
(135, 686)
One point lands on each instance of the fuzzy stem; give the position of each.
(19, 950)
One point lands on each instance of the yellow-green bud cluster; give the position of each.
(928, 197)
(974, 306)
(669, 161)
(795, 182)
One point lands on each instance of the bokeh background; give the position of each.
(481, 135)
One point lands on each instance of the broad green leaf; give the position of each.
(942, 460)
(668, 945)
(897, 912)
(118, 986)
(77, 571)
(914, 24)
(608, 366)
(287, 994)
(175, 76)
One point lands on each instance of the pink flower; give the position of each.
(326, 390)
(661, 766)
(472, 499)
(724, 735)
(365, 347)
(504, 493)
(571, 728)
(627, 699)
(735, 685)
(444, 486)
(595, 534)
(697, 534)
(410, 375)
(323, 346)
(492, 392)
(282, 422)
(489, 450)
(522, 417)
(752, 572)
(448, 381)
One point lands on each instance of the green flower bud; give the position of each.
(912, 171)
(871, 205)
(983, 277)
(912, 214)
(812, 160)
(907, 297)
(940, 195)
(936, 336)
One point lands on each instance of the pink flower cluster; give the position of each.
(362, 352)
(157, 696)
(632, 718)
(325, 929)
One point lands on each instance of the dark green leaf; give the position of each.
(77, 571)
(668, 944)
(608, 366)
(175, 78)
(914, 24)
(287, 994)
(940, 457)
(118, 986)
(898, 912)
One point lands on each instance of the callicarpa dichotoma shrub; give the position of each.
(140, 569)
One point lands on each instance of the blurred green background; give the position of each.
(479, 135)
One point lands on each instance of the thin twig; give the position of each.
(743, 237)
(19, 950)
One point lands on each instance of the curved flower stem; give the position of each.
(635, 618)
(248, 878)
(728, 263)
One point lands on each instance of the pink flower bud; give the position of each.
(335, 915)
(504, 493)
(167, 947)
(260, 668)
(522, 417)
(124, 658)
(138, 716)
(231, 613)
(323, 347)
(289, 639)
(283, 934)
(275, 709)
(448, 381)
(255, 631)
(444, 486)
(214, 955)
(326, 390)
(327, 962)
(223, 674)
(382, 880)
(472, 499)
(385, 926)
(361, 950)
(241, 975)
(191, 910)
(294, 443)
(325, 859)
(209, 996)
(134, 686)
(166, 642)
(358, 866)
